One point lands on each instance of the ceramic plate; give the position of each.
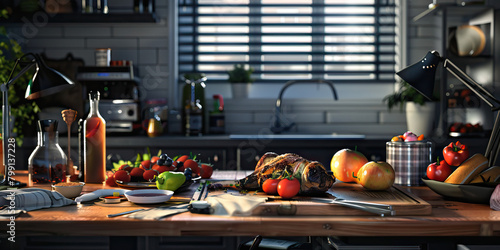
(468, 193)
(148, 196)
(467, 40)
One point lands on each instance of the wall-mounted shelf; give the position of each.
(94, 18)
(458, 10)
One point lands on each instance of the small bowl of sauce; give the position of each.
(112, 199)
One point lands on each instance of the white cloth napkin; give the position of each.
(98, 193)
(29, 199)
(234, 204)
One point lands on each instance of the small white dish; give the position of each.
(109, 199)
(148, 196)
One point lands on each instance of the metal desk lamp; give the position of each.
(45, 81)
(421, 76)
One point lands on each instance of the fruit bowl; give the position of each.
(472, 193)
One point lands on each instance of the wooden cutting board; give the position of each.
(403, 203)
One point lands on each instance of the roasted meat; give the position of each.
(314, 178)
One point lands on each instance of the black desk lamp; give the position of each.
(45, 81)
(421, 77)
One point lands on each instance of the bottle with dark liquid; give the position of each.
(95, 143)
(47, 163)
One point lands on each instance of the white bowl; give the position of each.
(69, 190)
(148, 196)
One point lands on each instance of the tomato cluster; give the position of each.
(286, 188)
(454, 154)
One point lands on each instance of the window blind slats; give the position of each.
(347, 41)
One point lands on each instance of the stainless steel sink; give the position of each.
(298, 136)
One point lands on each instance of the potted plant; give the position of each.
(22, 110)
(420, 111)
(240, 79)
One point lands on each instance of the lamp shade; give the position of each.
(46, 81)
(421, 75)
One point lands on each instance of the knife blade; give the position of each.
(382, 209)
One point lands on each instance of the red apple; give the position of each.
(376, 175)
(346, 163)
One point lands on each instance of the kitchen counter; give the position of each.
(448, 218)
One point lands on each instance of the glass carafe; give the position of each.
(47, 163)
(95, 143)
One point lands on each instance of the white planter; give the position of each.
(420, 118)
(240, 90)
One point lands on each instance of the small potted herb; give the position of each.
(240, 79)
(420, 111)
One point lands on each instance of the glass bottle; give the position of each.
(47, 163)
(95, 143)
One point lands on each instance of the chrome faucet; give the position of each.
(281, 123)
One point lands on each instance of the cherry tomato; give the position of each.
(455, 153)
(288, 188)
(439, 170)
(270, 186)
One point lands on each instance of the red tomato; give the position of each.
(270, 186)
(288, 188)
(455, 153)
(438, 171)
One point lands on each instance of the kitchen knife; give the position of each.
(376, 208)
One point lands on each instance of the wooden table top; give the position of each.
(448, 218)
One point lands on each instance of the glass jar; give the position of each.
(47, 163)
(95, 142)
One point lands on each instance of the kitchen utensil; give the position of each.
(69, 116)
(124, 213)
(376, 208)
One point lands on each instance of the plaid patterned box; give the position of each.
(409, 160)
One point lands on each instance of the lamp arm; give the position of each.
(493, 147)
(5, 115)
(475, 87)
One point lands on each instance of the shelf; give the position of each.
(97, 18)
(467, 10)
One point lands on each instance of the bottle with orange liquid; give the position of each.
(94, 143)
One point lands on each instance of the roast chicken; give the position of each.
(313, 176)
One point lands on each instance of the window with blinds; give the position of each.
(340, 40)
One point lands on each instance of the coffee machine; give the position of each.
(119, 104)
